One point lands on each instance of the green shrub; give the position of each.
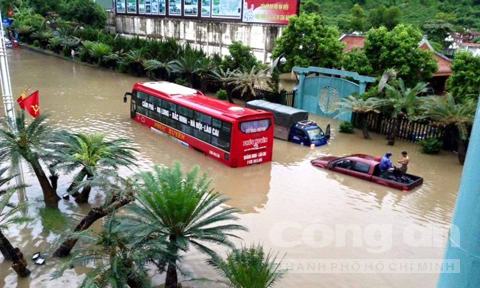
(431, 145)
(86, 12)
(241, 57)
(346, 127)
(182, 81)
(221, 94)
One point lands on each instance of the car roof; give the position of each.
(372, 160)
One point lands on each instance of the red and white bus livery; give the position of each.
(234, 135)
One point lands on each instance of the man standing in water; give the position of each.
(404, 160)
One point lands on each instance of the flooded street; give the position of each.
(306, 214)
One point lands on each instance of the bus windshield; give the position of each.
(254, 126)
(315, 134)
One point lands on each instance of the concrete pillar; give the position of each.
(464, 241)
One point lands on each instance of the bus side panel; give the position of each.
(187, 140)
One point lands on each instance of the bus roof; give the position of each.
(196, 100)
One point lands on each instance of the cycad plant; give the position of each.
(183, 210)
(362, 107)
(118, 192)
(118, 260)
(246, 81)
(222, 76)
(8, 216)
(32, 142)
(446, 112)
(158, 69)
(90, 153)
(402, 101)
(190, 64)
(249, 267)
(132, 61)
(98, 51)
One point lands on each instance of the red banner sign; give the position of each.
(269, 11)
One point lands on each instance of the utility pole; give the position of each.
(7, 96)
(463, 245)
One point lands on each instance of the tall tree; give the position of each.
(398, 49)
(362, 107)
(249, 268)
(386, 17)
(402, 101)
(445, 111)
(464, 83)
(358, 19)
(32, 142)
(308, 41)
(184, 210)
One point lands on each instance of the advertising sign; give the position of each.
(227, 8)
(269, 11)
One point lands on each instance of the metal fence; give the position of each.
(412, 131)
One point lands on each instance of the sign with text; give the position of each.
(269, 11)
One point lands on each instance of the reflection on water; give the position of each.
(280, 201)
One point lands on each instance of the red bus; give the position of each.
(232, 134)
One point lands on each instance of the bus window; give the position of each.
(254, 126)
(205, 119)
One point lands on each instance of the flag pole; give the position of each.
(7, 96)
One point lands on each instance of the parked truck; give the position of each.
(292, 124)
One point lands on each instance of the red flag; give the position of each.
(31, 103)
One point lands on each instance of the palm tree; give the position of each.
(403, 102)
(118, 193)
(362, 107)
(183, 210)
(249, 268)
(118, 261)
(7, 217)
(98, 51)
(222, 76)
(33, 143)
(245, 81)
(155, 67)
(445, 112)
(191, 64)
(133, 61)
(91, 153)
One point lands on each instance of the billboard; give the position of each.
(248, 11)
(269, 11)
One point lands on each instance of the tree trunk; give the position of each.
(6, 247)
(462, 151)
(78, 178)
(366, 135)
(15, 255)
(93, 215)
(49, 194)
(393, 133)
(85, 194)
(172, 279)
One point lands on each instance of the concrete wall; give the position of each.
(212, 37)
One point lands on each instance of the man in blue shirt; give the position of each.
(386, 164)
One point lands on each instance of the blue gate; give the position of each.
(319, 90)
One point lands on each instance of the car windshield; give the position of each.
(315, 134)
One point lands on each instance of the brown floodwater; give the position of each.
(316, 220)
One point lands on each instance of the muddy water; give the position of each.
(312, 217)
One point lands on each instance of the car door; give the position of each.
(352, 168)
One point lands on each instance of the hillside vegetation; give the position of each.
(460, 13)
